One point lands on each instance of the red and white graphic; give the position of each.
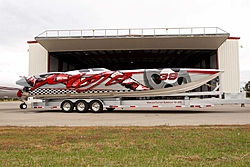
(103, 79)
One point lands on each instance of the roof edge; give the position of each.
(31, 42)
(235, 38)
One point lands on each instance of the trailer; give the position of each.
(69, 102)
(98, 89)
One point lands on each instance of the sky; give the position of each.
(22, 21)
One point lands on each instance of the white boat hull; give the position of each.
(141, 82)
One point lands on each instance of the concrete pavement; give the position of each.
(11, 115)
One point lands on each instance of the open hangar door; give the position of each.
(132, 59)
(135, 59)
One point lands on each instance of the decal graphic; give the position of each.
(103, 79)
(81, 81)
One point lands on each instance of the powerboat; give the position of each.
(101, 80)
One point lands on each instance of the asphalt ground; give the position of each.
(11, 115)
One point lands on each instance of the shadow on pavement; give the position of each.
(177, 111)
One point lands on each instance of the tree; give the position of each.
(247, 88)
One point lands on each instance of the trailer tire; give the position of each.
(67, 106)
(23, 106)
(81, 106)
(96, 106)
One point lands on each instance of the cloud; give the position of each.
(13, 62)
(245, 76)
(22, 20)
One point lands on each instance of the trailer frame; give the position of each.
(180, 100)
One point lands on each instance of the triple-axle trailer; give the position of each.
(71, 102)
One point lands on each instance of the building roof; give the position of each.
(201, 38)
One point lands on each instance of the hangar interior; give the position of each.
(132, 59)
(116, 49)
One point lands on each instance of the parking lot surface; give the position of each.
(11, 115)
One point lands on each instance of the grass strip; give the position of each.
(125, 146)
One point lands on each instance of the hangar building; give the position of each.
(114, 49)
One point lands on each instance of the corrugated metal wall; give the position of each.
(228, 60)
(38, 59)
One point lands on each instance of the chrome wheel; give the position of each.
(81, 106)
(96, 106)
(67, 106)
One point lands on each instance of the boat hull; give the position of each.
(104, 80)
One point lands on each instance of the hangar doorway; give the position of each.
(132, 59)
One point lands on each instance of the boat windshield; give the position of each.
(100, 69)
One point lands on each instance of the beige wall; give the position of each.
(38, 59)
(228, 60)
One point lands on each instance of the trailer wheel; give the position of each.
(96, 106)
(81, 106)
(67, 106)
(23, 106)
